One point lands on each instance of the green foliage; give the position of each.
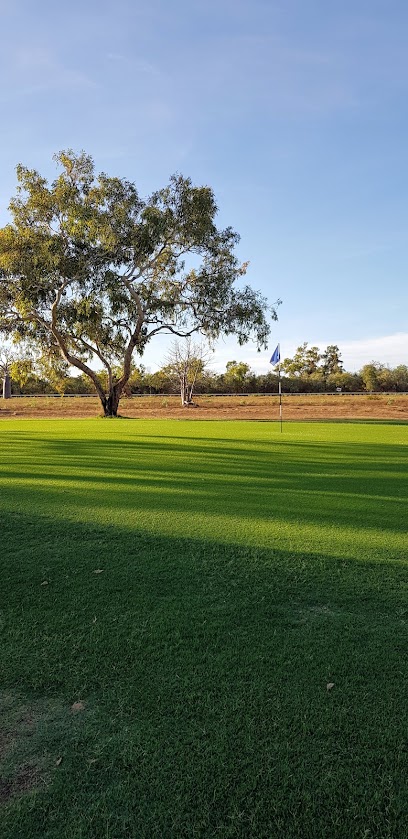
(330, 361)
(400, 375)
(392, 379)
(346, 381)
(236, 375)
(309, 362)
(159, 382)
(54, 370)
(304, 363)
(370, 376)
(136, 379)
(29, 376)
(22, 371)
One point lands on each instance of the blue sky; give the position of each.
(294, 112)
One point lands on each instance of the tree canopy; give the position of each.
(308, 361)
(236, 375)
(91, 271)
(304, 363)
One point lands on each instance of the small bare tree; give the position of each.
(186, 363)
(6, 359)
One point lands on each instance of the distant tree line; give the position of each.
(309, 371)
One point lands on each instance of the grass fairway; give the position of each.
(194, 588)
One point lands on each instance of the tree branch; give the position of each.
(134, 338)
(97, 352)
(77, 362)
(170, 329)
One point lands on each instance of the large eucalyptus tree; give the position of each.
(91, 271)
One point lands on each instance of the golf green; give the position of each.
(225, 607)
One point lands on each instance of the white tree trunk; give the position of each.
(6, 387)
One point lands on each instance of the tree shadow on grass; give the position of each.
(204, 669)
(347, 485)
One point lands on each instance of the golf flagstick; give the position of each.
(275, 360)
(280, 397)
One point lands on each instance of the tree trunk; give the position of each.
(110, 402)
(184, 391)
(6, 387)
(187, 394)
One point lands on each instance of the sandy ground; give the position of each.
(310, 407)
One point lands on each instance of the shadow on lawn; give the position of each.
(204, 669)
(350, 485)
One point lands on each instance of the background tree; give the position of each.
(159, 382)
(386, 379)
(330, 363)
(80, 384)
(370, 376)
(344, 380)
(236, 375)
(136, 381)
(186, 363)
(330, 360)
(54, 370)
(401, 377)
(304, 363)
(267, 383)
(89, 268)
(24, 375)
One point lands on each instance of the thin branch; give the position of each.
(134, 338)
(56, 302)
(96, 351)
(170, 329)
(77, 362)
(136, 272)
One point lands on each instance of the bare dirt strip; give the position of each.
(256, 407)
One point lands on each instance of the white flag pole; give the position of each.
(280, 392)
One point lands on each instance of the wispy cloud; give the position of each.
(388, 349)
(137, 65)
(37, 69)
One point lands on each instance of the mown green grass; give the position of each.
(241, 571)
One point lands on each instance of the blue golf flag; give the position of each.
(275, 358)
